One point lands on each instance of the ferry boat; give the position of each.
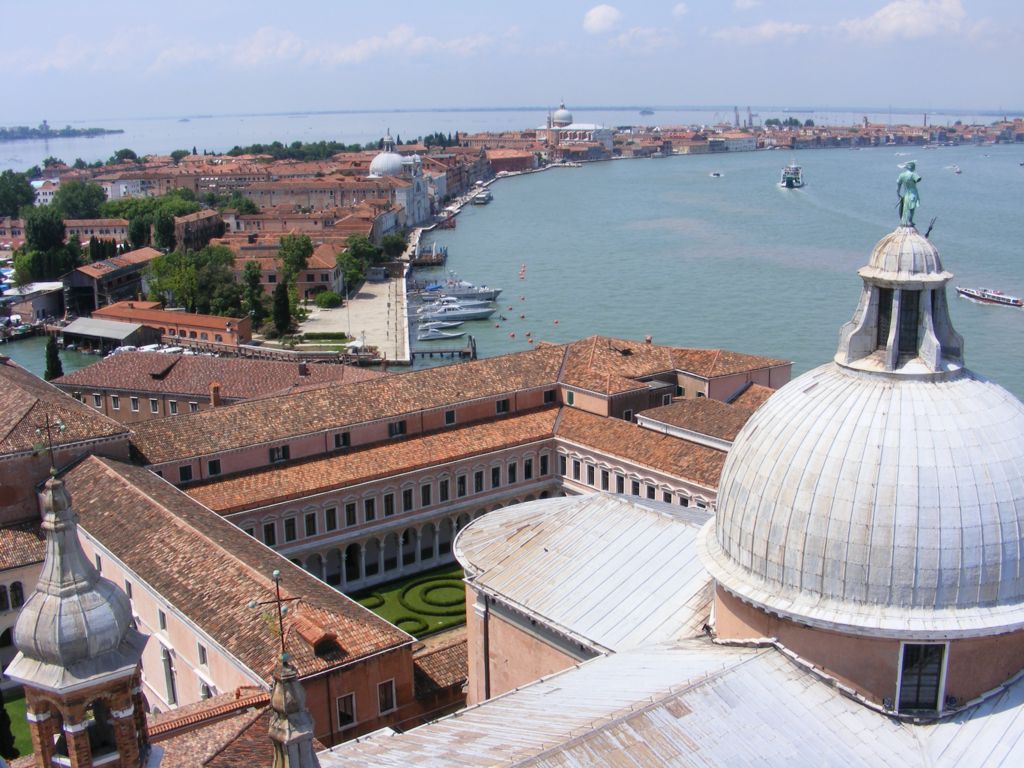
(792, 177)
(989, 296)
(483, 197)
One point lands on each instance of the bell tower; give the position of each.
(78, 655)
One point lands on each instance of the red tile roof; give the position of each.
(703, 415)
(136, 312)
(752, 397)
(100, 268)
(277, 484)
(21, 544)
(127, 508)
(441, 668)
(192, 375)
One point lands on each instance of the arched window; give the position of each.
(17, 595)
(4, 605)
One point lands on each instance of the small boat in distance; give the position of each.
(715, 174)
(647, 111)
(989, 296)
(482, 198)
(956, 170)
(792, 177)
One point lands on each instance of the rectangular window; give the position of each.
(478, 481)
(604, 479)
(271, 278)
(909, 310)
(128, 589)
(169, 679)
(396, 428)
(342, 440)
(921, 676)
(460, 486)
(570, 398)
(527, 469)
(350, 514)
(161, 620)
(635, 488)
(173, 405)
(512, 471)
(652, 492)
(269, 534)
(389, 504)
(331, 518)
(369, 509)
(562, 466)
(154, 405)
(201, 653)
(627, 415)
(449, 418)
(386, 696)
(193, 407)
(184, 473)
(97, 401)
(575, 469)
(311, 523)
(501, 406)
(279, 453)
(407, 500)
(684, 501)
(549, 396)
(620, 484)
(680, 391)
(666, 497)
(99, 563)
(442, 490)
(115, 402)
(543, 464)
(666, 399)
(884, 318)
(590, 474)
(346, 710)
(213, 467)
(495, 477)
(425, 495)
(290, 533)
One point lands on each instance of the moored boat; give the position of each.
(463, 289)
(440, 325)
(435, 334)
(792, 177)
(450, 301)
(990, 296)
(455, 312)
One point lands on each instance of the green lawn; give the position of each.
(19, 725)
(422, 604)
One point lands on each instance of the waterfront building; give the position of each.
(410, 187)
(95, 285)
(853, 598)
(179, 325)
(567, 139)
(130, 387)
(36, 301)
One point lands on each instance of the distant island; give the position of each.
(44, 131)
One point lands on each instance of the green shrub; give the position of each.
(411, 624)
(373, 601)
(328, 300)
(325, 336)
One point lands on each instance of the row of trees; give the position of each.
(151, 219)
(789, 122)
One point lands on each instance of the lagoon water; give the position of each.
(635, 247)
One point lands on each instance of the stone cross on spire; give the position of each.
(49, 427)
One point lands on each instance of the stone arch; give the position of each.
(371, 551)
(462, 521)
(332, 567)
(315, 564)
(409, 541)
(353, 561)
(391, 552)
(428, 539)
(444, 536)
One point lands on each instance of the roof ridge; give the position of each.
(194, 718)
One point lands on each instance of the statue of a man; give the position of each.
(906, 188)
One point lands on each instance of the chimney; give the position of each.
(648, 339)
(215, 394)
(303, 369)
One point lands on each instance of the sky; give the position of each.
(67, 60)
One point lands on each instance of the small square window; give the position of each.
(627, 415)
(97, 401)
(185, 473)
(193, 407)
(115, 402)
(396, 428)
(652, 492)
(154, 405)
(386, 696)
(134, 402)
(311, 523)
(449, 418)
(684, 501)
(213, 467)
(666, 497)
(279, 453)
(501, 407)
(680, 391)
(343, 440)
(173, 406)
(549, 396)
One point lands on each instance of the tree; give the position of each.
(361, 248)
(54, 369)
(15, 193)
(294, 253)
(252, 293)
(79, 199)
(79, 164)
(328, 300)
(52, 162)
(282, 309)
(7, 749)
(138, 232)
(163, 230)
(44, 229)
(352, 270)
(123, 155)
(808, 123)
(393, 245)
(178, 154)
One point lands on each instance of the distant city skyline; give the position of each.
(114, 59)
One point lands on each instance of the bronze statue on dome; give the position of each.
(906, 188)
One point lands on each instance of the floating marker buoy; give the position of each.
(497, 325)
(510, 309)
(522, 298)
(522, 317)
(512, 335)
(530, 340)
(556, 322)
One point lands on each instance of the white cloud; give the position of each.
(601, 18)
(766, 31)
(746, 5)
(908, 19)
(679, 10)
(644, 39)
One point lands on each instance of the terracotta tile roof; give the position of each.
(752, 397)
(21, 544)
(126, 508)
(623, 439)
(703, 415)
(26, 400)
(262, 421)
(235, 740)
(137, 313)
(277, 484)
(100, 268)
(441, 668)
(191, 375)
(95, 222)
(197, 216)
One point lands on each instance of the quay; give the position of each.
(467, 352)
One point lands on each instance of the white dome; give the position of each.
(877, 504)
(905, 256)
(561, 116)
(386, 164)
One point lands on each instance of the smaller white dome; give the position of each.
(561, 116)
(905, 255)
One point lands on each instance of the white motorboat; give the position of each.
(990, 296)
(439, 325)
(434, 334)
(448, 312)
(448, 301)
(483, 197)
(462, 289)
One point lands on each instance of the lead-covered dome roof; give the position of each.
(561, 116)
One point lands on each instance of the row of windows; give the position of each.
(133, 403)
(183, 334)
(636, 488)
(12, 597)
(391, 503)
(347, 704)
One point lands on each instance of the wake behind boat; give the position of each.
(989, 296)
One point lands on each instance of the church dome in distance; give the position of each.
(561, 116)
(388, 162)
(882, 493)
